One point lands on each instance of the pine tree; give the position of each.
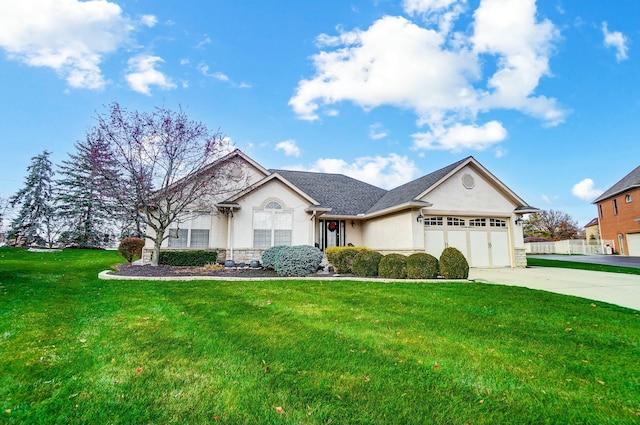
(82, 203)
(36, 219)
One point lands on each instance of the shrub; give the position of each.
(393, 266)
(365, 263)
(341, 257)
(270, 256)
(453, 265)
(131, 248)
(299, 260)
(187, 258)
(422, 266)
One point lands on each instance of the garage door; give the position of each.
(633, 243)
(483, 241)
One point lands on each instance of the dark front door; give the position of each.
(331, 233)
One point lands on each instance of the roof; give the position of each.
(341, 195)
(347, 196)
(593, 222)
(630, 181)
(411, 191)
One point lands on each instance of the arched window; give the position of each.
(272, 226)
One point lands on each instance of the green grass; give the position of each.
(75, 350)
(543, 262)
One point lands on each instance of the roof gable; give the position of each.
(630, 181)
(411, 191)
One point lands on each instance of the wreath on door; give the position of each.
(332, 226)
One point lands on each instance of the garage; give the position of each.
(633, 243)
(484, 241)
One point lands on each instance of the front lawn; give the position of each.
(75, 349)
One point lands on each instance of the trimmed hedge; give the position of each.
(270, 256)
(422, 266)
(131, 248)
(393, 266)
(187, 258)
(453, 265)
(365, 263)
(301, 260)
(341, 257)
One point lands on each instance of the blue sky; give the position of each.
(545, 94)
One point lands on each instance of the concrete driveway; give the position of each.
(614, 288)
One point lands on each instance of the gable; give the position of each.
(469, 189)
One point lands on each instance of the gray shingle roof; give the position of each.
(410, 191)
(629, 181)
(345, 195)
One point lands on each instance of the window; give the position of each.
(615, 207)
(627, 199)
(272, 226)
(478, 222)
(178, 238)
(433, 221)
(454, 221)
(190, 231)
(495, 222)
(600, 210)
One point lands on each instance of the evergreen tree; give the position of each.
(82, 203)
(35, 220)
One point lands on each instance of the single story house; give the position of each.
(461, 205)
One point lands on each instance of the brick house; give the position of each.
(619, 214)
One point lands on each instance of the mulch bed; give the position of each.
(164, 271)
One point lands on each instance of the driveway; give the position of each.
(614, 288)
(613, 260)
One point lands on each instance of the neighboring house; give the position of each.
(619, 214)
(592, 230)
(462, 205)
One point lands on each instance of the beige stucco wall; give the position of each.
(391, 232)
(227, 187)
(274, 190)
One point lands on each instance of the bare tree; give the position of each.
(551, 224)
(163, 160)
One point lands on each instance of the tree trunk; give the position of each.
(156, 250)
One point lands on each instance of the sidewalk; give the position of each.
(614, 288)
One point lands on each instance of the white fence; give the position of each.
(578, 247)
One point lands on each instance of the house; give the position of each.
(461, 205)
(592, 230)
(619, 214)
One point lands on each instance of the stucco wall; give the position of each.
(274, 190)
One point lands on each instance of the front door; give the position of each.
(331, 233)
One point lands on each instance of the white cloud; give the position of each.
(437, 73)
(459, 137)
(220, 76)
(68, 36)
(585, 190)
(149, 20)
(205, 40)
(289, 147)
(617, 41)
(382, 171)
(143, 74)
(377, 131)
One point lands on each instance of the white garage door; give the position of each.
(633, 242)
(483, 241)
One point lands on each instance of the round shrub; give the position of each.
(270, 256)
(365, 263)
(422, 266)
(453, 265)
(131, 248)
(393, 266)
(341, 257)
(301, 260)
